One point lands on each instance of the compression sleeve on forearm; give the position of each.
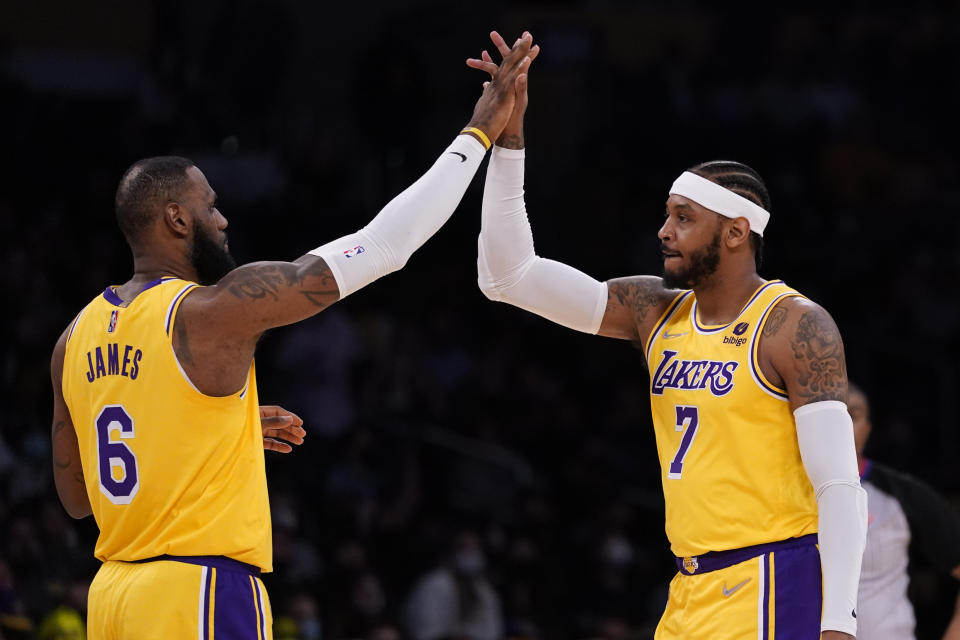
(825, 436)
(401, 227)
(508, 269)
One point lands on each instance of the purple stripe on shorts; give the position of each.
(798, 596)
(766, 596)
(235, 615)
(206, 604)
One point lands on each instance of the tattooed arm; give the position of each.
(633, 305)
(801, 351)
(67, 471)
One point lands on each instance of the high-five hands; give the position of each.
(495, 107)
(511, 136)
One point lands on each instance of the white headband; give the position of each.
(720, 199)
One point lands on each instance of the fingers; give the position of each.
(534, 52)
(485, 56)
(290, 434)
(500, 43)
(268, 411)
(482, 65)
(274, 445)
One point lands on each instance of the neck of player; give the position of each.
(721, 296)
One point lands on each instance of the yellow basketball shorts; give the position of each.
(207, 598)
(765, 592)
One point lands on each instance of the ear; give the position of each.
(737, 233)
(177, 219)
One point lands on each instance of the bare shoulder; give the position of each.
(633, 304)
(806, 350)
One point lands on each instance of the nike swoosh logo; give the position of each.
(667, 335)
(729, 592)
(463, 158)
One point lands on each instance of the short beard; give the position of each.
(210, 260)
(703, 264)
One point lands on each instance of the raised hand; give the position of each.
(279, 425)
(495, 107)
(512, 135)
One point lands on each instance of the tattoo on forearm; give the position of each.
(62, 463)
(818, 352)
(774, 322)
(78, 476)
(58, 426)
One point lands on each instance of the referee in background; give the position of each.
(904, 514)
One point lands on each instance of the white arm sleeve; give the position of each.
(401, 227)
(508, 269)
(825, 435)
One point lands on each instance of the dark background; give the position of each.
(430, 409)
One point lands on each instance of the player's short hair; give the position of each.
(743, 181)
(146, 187)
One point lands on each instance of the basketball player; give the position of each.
(156, 428)
(905, 514)
(748, 384)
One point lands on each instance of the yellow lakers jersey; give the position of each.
(730, 463)
(168, 470)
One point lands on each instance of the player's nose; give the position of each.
(222, 222)
(664, 232)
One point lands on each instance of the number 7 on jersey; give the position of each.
(688, 417)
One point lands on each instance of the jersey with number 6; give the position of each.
(730, 463)
(168, 469)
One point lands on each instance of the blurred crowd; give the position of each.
(472, 472)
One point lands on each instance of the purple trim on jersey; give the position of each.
(111, 296)
(865, 467)
(753, 347)
(716, 560)
(666, 318)
(173, 305)
(798, 595)
(235, 614)
(696, 323)
(765, 559)
(220, 562)
(154, 283)
(206, 604)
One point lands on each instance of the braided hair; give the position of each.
(743, 181)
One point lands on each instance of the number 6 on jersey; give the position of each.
(688, 417)
(116, 455)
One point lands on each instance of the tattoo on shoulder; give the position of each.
(638, 295)
(818, 352)
(774, 322)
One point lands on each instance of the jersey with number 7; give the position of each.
(713, 411)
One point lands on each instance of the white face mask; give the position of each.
(469, 563)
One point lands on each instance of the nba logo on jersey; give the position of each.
(354, 252)
(114, 316)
